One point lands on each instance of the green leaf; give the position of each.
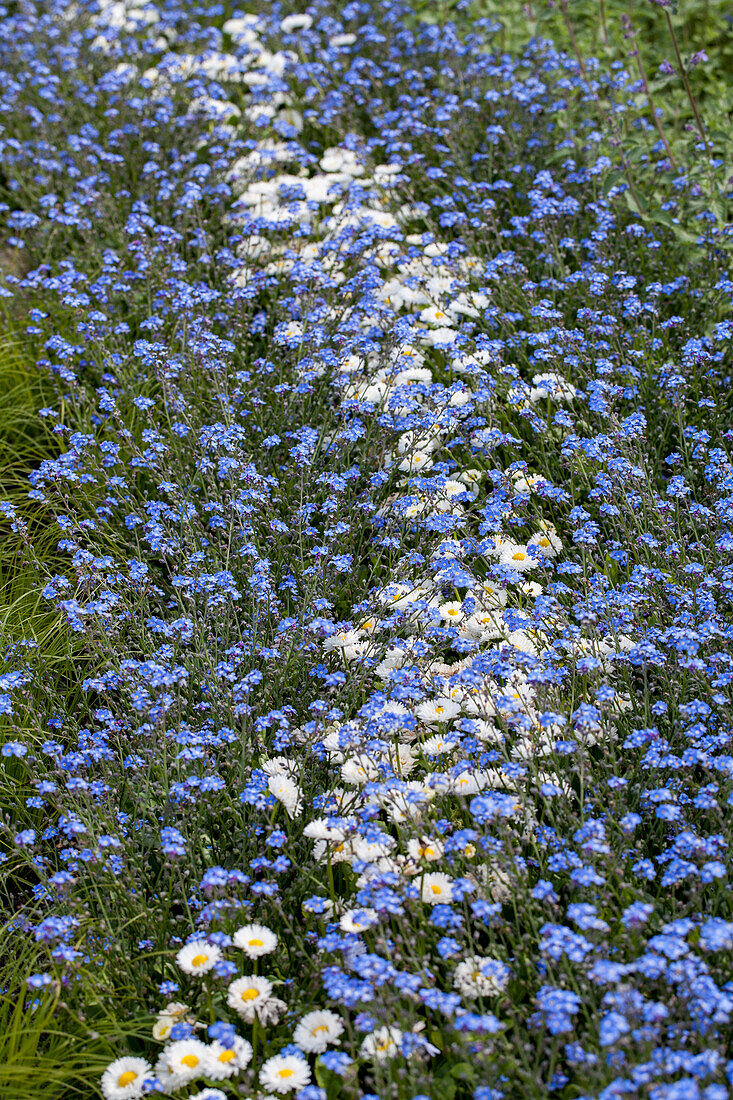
(464, 1071)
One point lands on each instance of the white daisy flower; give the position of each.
(393, 658)
(325, 851)
(434, 315)
(437, 745)
(491, 596)
(198, 957)
(433, 712)
(255, 940)
(408, 802)
(286, 791)
(270, 1012)
(209, 1094)
(517, 557)
(521, 640)
(531, 484)
(440, 337)
(285, 1073)
(479, 976)
(382, 1043)
(415, 461)
(487, 732)
(480, 702)
(451, 612)
(410, 375)
(124, 1079)
(371, 850)
(547, 541)
(225, 1061)
(167, 1019)
(278, 765)
(296, 22)
(403, 759)
(436, 889)
(359, 770)
(316, 1030)
(343, 40)
(358, 920)
(247, 994)
(319, 829)
(398, 597)
(468, 782)
(182, 1062)
(425, 848)
(409, 441)
(342, 639)
(485, 625)
(551, 385)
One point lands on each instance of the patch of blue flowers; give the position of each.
(393, 498)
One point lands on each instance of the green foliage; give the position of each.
(47, 1051)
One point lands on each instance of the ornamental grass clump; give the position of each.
(367, 732)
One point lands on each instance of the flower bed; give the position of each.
(383, 746)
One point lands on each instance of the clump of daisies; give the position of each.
(272, 1057)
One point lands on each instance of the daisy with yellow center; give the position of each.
(382, 1043)
(451, 612)
(226, 1061)
(124, 1079)
(316, 1030)
(255, 940)
(167, 1019)
(285, 1073)
(248, 995)
(198, 957)
(436, 889)
(182, 1062)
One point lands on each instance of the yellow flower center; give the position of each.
(453, 611)
(190, 1060)
(199, 960)
(435, 889)
(285, 1073)
(426, 851)
(519, 556)
(227, 1056)
(543, 542)
(321, 1027)
(126, 1078)
(250, 994)
(439, 710)
(256, 943)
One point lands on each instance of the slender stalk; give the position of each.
(685, 80)
(652, 106)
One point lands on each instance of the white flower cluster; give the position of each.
(184, 1061)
